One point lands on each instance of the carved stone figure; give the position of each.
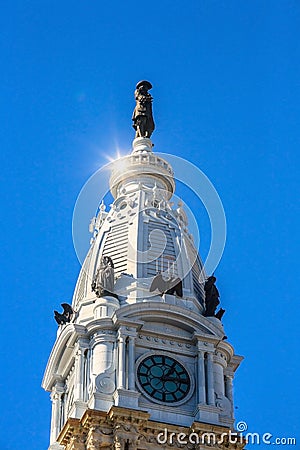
(220, 313)
(142, 117)
(211, 297)
(66, 316)
(104, 280)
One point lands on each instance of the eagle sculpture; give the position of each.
(66, 316)
(170, 286)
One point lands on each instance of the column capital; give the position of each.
(83, 343)
(102, 336)
(126, 330)
(54, 396)
(205, 346)
(78, 352)
(200, 352)
(128, 325)
(59, 385)
(220, 358)
(207, 340)
(229, 375)
(121, 336)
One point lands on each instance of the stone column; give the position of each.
(125, 394)
(77, 408)
(55, 416)
(131, 363)
(210, 379)
(102, 345)
(219, 366)
(57, 391)
(86, 374)
(201, 377)
(78, 376)
(228, 387)
(121, 360)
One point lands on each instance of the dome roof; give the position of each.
(143, 234)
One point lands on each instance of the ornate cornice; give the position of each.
(122, 428)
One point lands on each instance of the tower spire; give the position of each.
(141, 347)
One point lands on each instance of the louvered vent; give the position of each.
(116, 246)
(82, 287)
(166, 261)
(80, 292)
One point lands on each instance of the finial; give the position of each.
(142, 117)
(102, 206)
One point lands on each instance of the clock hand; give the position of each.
(170, 371)
(176, 379)
(156, 382)
(166, 378)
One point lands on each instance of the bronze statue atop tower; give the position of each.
(142, 117)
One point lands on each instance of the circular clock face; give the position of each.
(163, 378)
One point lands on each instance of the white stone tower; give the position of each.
(139, 353)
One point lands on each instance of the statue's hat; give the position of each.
(145, 83)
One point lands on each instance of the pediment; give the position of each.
(174, 318)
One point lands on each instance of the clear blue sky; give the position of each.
(227, 97)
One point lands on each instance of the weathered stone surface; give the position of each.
(124, 428)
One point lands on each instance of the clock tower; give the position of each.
(141, 360)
